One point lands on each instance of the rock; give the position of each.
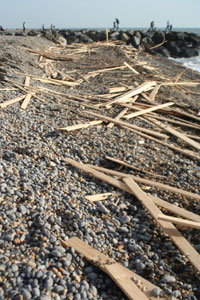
(168, 279)
(33, 33)
(156, 292)
(135, 41)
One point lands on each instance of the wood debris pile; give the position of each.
(136, 100)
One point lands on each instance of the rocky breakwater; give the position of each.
(171, 44)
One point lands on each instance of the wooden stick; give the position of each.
(100, 197)
(178, 239)
(154, 93)
(147, 110)
(80, 126)
(189, 125)
(182, 222)
(178, 134)
(128, 125)
(122, 276)
(187, 153)
(184, 246)
(51, 55)
(127, 165)
(131, 68)
(27, 100)
(107, 30)
(175, 209)
(158, 185)
(138, 90)
(118, 117)
(9, 102)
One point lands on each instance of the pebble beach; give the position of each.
(43, 199)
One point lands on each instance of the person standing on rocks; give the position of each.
(117, 23)
(24, 26)
(1, 28)
(152, 26)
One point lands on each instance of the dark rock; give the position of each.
(33, 33)
(189, 52)
(20, 33)
(158, 37)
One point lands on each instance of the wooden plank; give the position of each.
(51, 55)
(131, 68)
(80, 126)
(122, 276)
(138, 90)
(175, 209)
(12, 101)
(158, 185)
(127, 125)
(118, 117)
(118, 161)
(153, 94)
(184, 124)
(147, 110)
(187, 153)
(170, 229)
(182, 222)
(100, 197)
(178, 134)
(183, 245)
(27, 100)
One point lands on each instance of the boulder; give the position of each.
(84, 38)
(20, 33)
(135, 41)
(33, 33)
(189, 52)
(173, 49)
(123, 36)
(158, 37)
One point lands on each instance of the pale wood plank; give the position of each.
(118, 117)
(12, 101)
(80, 126)
(184, 246)
(156, 184)
(147, 110)
(178, 134)
(100, 197)
(138, 90)
(182, 222)
(153, 94)
(122, 276)
(131, 68)
(127, 125)
(175, 209)
(187, 153)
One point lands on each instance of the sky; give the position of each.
(99, 13)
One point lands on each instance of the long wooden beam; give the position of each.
(126, 124)
(182, 222)
(139, 89)
(156, 184)
(147, 110)
(122, 276)
(178, 239)
(178, 134)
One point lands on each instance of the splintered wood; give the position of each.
(134, 286)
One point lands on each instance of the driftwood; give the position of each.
(182, 222)
(127, 125)
(122, 276)
(51, 55)
(131, 187)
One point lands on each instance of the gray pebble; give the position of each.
(26, 294)
(168, 279)
(156, 292)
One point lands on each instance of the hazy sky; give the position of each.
(99, 13)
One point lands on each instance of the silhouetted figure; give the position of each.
(24, 26)
(114, 25)
(168, 27)
(117, 23)
(1, 28)
(152, 26)
(43, 29)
